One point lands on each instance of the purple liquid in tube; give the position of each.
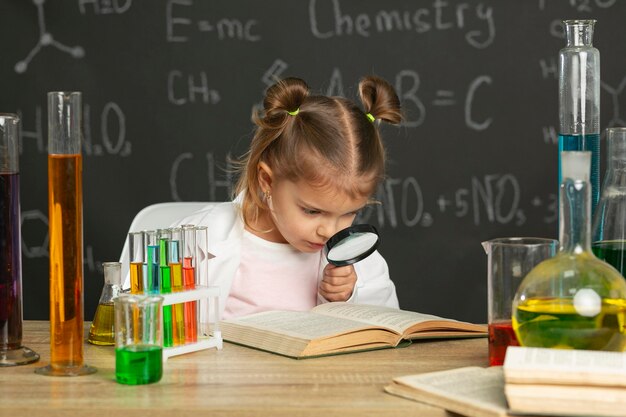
(10, 282)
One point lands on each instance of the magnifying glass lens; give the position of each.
(352, 244)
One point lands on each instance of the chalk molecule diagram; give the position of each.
(46, 39)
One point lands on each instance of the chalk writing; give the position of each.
(34, 226)
(407, 210)
(112, 134)
(190, 88)
(35, 237)
(213, 174)
(46, 39)
(491, 198)
(182, 29)
(440, 16)
(583, 5)
(615, 93)
(104, 7)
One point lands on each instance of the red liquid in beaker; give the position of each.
(501, 336)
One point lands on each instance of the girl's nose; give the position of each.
(326, 229)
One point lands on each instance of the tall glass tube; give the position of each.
(11, 350)
(579, 99)
(65, 217)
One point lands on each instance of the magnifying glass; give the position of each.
(351, 244)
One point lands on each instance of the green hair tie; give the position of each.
(370, 117)
(294, 113)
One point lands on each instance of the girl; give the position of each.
(313, 164)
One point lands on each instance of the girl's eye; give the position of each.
(310, 212)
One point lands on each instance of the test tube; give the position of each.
(165, 278)
(202, 275)
(151, 283)
(136, 243)
(176, 268)
(189, 282)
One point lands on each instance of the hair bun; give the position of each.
(380, 99)
(285, 96)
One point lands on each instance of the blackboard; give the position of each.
(168, 89)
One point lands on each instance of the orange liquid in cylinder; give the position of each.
(65, 196)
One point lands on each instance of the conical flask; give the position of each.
(579, 98)
(102, 330)
(572, 300)
(609, 225)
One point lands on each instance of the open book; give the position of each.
(533, 381)
(340, 328)
(471, 391)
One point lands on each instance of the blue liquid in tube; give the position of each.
(585, 143)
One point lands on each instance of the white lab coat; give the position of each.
(225, 230)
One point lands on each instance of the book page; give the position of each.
(391, 318)
(299, 324)
(542, 365)
(471, 391)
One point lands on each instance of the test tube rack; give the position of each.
(206, 339)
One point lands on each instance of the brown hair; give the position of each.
(326, 141)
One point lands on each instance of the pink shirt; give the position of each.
(272, 276)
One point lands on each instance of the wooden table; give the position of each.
(235, 381)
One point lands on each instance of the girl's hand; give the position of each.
(338, 282)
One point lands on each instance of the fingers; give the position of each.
(338, 283)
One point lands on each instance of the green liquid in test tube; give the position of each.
(166, 287)
(177, 285)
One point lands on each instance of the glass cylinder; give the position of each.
(65, 218)
(579, 98)
(609, 226)
(573, 300)
(102, 330)
(11, 350)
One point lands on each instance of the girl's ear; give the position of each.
(265, 176)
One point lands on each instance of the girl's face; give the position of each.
(306, 216)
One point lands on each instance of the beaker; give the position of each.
(65, 219)
(11, 350)
(138, 339)
(102, 331)
(508, 261)
(609, 226)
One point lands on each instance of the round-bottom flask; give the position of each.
(573, 300)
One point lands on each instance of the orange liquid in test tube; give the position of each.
(191, 322)
(66, 260)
